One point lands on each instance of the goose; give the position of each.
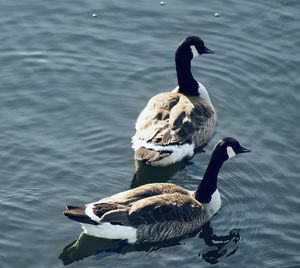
(173, 125)
(157, 211)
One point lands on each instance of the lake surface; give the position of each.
(72, 86)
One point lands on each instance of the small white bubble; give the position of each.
(217, 14)
(162, 3)
(94, 15)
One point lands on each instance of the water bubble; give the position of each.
(162, 3)
(94, 15)
(217, 14)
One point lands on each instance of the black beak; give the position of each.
(243, 150)
(208, 51)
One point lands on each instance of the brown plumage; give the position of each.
(171, 118)
(149, 155)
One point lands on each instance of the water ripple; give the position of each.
(72, 86)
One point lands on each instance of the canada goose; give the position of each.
(174, 124)
(157, 211)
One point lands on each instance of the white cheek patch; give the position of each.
(230, 152)
(194, 51)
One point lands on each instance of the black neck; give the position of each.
(208, 184)
(187, 84)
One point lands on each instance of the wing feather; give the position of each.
(148, 204)
(165, 207)
(144, 191)
(173, 118)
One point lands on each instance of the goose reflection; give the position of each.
(218, 246)
(86, 246)
(148, 174)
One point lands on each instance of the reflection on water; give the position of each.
(86, 246)
(217, 244)
(147, 174)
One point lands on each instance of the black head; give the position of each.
(194, 47)
(223, 150)
(228, 148)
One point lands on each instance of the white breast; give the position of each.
(214, 205)
(203, 92)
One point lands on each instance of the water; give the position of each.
(72, 86)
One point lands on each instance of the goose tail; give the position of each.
(78, 214)
(150, 156)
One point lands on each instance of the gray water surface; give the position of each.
(72, 86)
